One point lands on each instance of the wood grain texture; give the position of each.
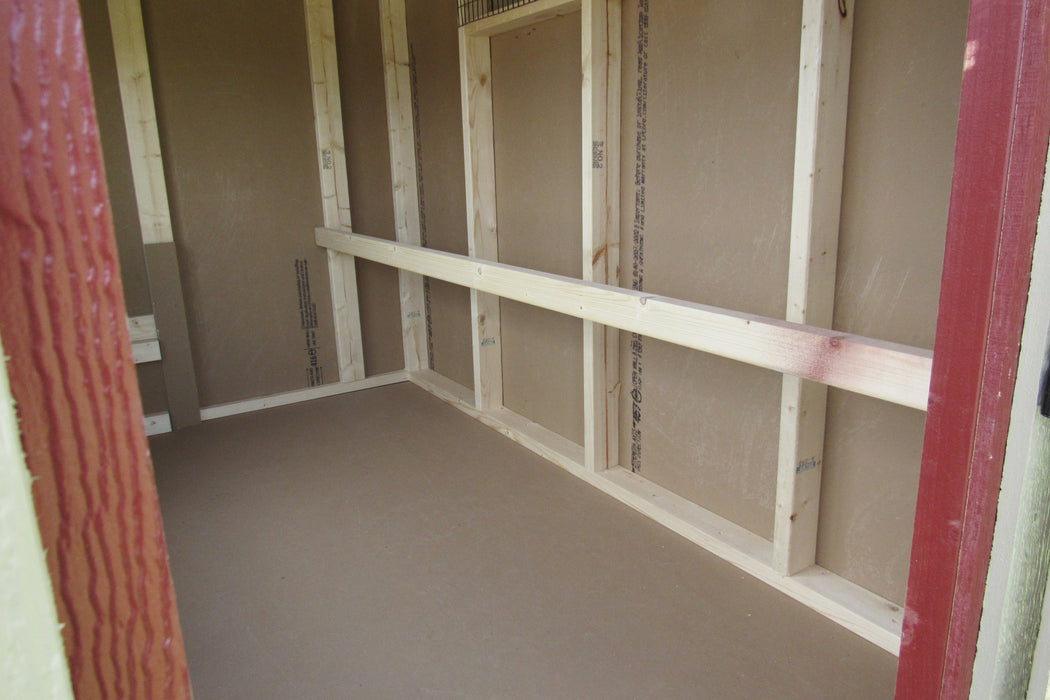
(1004, 123)
(820, 146)
(531, 13)
(475, 80)
(335, 186)
(862, 612)
(151, 200)
(600, 61)
(886, 371)
(402, 133)
(63, 321)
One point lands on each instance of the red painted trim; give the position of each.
(62, 319)
(1004, 126)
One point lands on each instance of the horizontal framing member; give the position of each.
(862, 612)
(142, 328)
(533, 13)
(289, 397)
(143, 351)
(883, 370)
(157, 424)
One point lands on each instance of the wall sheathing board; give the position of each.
(232, 88)
(900, 143)
(707, 155)
(434, 53)
(536, 106)
(106, 88)
(708, 137)
(361, 88)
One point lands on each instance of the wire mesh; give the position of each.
(472, 10)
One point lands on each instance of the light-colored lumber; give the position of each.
(140, 120)
(143, 351)
(861, 611)
(151, 198)
(142, 328)
(157, 424)
(820, 143)
(546, 443)
(397, 77)
(480, 177)
(145, 347)
(880, 369)
(335, 189)
(532, 13)
(600, 61)
(289, 397)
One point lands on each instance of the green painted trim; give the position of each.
(32, 659)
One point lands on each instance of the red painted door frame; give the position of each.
(1004, 125)
(62, 318)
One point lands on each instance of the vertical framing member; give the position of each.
(600, 62)
(478, 157)
(335, 189)
(397, 78)
(475, 67)
(820, 142)
(151, 195)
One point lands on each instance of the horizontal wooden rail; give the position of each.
(883, 370)
(145, 343)
(533, 13)
(876, 619)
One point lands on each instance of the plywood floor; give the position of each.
(385, 545)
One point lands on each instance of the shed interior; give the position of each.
(705, 283)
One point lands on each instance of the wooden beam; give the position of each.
(145, 347)
(600, 47)
(299, 395)
(396, 72)
(820, 145)
(335, 189)
(532, 13)
(876, 368)
(872, 617)
(1000, 160)
(142, 328)
(151, 197)
(482, 242)
(140, 120)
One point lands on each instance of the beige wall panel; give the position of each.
(720, 100)
(536, 125)
(110, 115)
(451, 349)
(720, 454)
(360, 56)
(121, 189)
(868, 491)
(900, 141)
(151, 386)
(236, 123)
(432, 35)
